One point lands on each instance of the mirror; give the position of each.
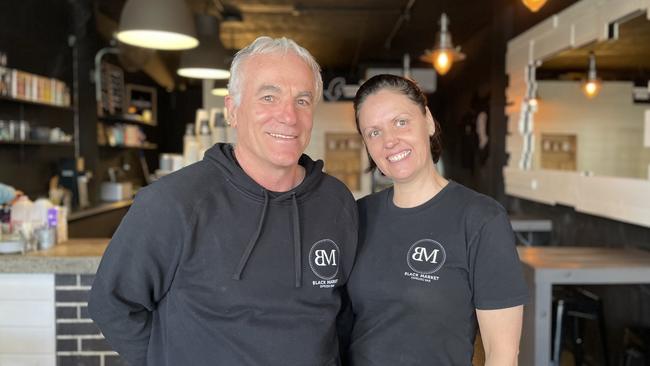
(592, 155)
(606, 135)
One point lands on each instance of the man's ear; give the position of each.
(230, 111)
(431, 126)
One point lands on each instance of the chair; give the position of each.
(636, 341)
(574, 305)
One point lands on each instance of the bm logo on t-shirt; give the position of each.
(324, 258)
(426, 256)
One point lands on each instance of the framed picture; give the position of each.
(141, 103)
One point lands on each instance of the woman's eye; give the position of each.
(401, 122)
(268, 98)
(373, 133)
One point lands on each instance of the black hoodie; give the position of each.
(209, 268)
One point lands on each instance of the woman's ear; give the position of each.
(431, 126)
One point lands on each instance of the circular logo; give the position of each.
(324, 258)
(426, 256)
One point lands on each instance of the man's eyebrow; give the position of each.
(306, 94)
(268, 88)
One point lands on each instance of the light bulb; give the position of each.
(534, 5)
(442, 62)
(591, 88)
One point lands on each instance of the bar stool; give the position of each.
(636, 341)
(576, 305)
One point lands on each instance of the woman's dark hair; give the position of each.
(406, 87)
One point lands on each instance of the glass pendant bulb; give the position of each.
(591, 87)
(534, 5)
(443, 55)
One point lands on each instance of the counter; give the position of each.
(545, 267)
(44, 317)
(78, 256)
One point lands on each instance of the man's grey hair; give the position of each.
(267, 45)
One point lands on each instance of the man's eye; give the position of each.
(401, 122)
(268, 98)
(373, 133)
(303, 102)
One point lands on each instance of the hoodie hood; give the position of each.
(223, 156)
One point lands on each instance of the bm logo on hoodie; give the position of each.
(324, 258)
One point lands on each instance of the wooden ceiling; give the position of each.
(346, 36)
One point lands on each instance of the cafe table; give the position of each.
(548, 266)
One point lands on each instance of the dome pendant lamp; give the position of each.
(444, 54)
(157, 24)
(210, 60)
(220, 88)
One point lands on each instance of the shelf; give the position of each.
(36, 143)
(99, 209)
(126, 119)
(30, 102)
(145, 146)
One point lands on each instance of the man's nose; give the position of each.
(289, 115)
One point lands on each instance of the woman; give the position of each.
(435, 257)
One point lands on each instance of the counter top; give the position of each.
(75, 256)
(584, 258)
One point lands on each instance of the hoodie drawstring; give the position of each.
(253, 241)
(297, 247)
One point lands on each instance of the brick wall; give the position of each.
(78, 340)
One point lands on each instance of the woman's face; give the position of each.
(396, 133)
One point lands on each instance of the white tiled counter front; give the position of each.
(27, 320)
(44, 307)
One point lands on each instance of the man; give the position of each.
(238, 259)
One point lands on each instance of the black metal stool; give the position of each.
(576, 305)
(636, 341)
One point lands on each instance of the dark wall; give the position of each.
(35, 39)
(58, 39)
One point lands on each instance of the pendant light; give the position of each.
(534, 5)
(591, 86)
(210, 60)
(220, 88)
(444, 54)
(157, 24)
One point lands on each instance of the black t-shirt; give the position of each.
(421, 273)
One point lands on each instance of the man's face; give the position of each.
(275, 115)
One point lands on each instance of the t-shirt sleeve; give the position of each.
(496, 275)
